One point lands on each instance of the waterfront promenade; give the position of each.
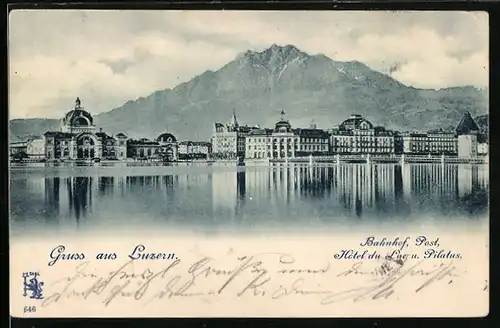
(393, 158)
(333, 159)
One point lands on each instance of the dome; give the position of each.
(283, 126)
(355, 122)
(78, 116)
(166, 137)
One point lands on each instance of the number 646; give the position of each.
(29, 309)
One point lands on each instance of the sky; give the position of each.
(110, 57)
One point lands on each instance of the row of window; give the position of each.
(296, 147)
(442, 139)
(444, 146)
(363, 138)
(362, 150)
(352, 143)
(364, 132)
(303, 140)
(270, 155)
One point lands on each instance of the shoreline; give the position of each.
(311, 160)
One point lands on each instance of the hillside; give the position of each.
(258, 85)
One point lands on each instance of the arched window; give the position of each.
(85, 141)
(80, 121)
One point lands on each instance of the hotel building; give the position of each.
(194, 149)
(462, 142)
(357, 135)
(284, 142)
(228, 141)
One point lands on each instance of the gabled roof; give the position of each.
(467, 125)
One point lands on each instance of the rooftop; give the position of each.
(467, 125)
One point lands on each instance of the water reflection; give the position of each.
(278, 195)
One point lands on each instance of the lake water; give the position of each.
(209, 198)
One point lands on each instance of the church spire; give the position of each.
(77, 103)
(234, 120)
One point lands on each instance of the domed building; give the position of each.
(77, 120)
(283, 142)
(77, 139)
(356, 122)
(168, 146)
(164, 147)
(283, 127)
(357, 135)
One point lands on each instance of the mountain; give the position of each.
(258, 85)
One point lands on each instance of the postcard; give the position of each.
(248, 163)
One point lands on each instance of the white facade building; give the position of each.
(228, 140)
(467, 146)
(283, 142)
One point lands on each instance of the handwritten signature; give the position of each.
(253, 275)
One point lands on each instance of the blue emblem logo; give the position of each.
(33, 285)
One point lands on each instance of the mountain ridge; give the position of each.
(258, 85)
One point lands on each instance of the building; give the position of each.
(164, 147)
(168, 147)
(259, 144)
(467, 131)
(442, 142)
(113, 147)
(228, 141)
(121, 145)
(284, 142)
(411, 143)
(194, 150)
(312, 141)
(33, 147)
(436, 142)
(467, 146)
(142, 148)
(77, 138)
(482, 149)
(357, 135)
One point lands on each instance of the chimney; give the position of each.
(100, 130)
